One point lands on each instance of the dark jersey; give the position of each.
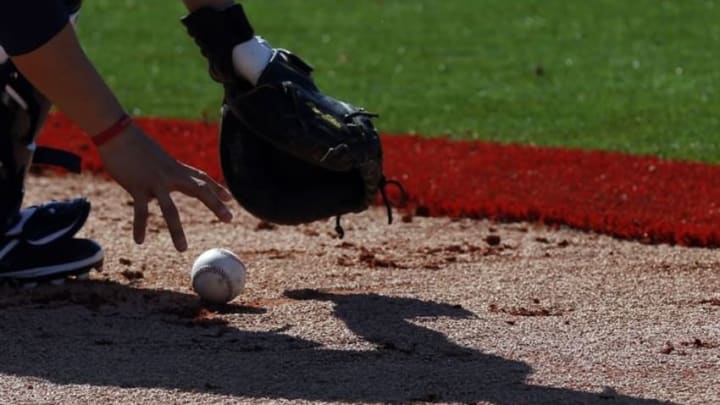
(25, 25)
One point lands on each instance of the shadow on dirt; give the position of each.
(107, 334)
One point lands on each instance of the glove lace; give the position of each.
(384, 182)
(360, 113)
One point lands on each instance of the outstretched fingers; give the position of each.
(172, 218)
(140, 205)
(189, 181)
(212, 194)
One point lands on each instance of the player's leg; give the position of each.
(228, 40)
(22, 114)
(35, 243)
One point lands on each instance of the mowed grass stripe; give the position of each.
(639, 77)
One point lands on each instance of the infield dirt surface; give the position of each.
(424, 310)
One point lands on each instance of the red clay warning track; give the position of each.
(633, 197)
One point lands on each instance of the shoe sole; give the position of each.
(79, 269)
(29, 284)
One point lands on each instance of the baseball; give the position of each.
(218, 276)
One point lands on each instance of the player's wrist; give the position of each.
(222, 4)
(118, 127)
(193, 5)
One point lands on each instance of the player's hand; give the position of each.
(147, 172)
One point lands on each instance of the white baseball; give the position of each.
(218, 276)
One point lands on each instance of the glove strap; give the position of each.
(383, 192)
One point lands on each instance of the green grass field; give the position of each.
(638, 76)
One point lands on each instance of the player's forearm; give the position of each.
(193, 5)
(63, 73)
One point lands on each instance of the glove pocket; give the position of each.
(299, 122)
(277, 187)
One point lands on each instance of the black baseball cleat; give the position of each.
(24, 262)
(39, 245)
(46, 223)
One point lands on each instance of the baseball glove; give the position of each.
(289, 153)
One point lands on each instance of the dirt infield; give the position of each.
(428, 309)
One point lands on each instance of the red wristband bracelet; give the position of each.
(113, 131)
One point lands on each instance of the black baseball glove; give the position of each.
(289, 154)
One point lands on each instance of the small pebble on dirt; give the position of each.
(132, 275)
(311, 232)
(265, 226)
(667, 348)
(345, 261)
(492, 240)
(422, 211)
